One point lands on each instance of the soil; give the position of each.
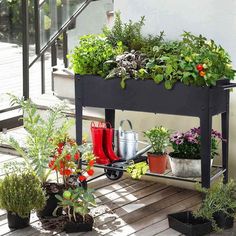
(53, 188)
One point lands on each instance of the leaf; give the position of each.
(122, 83)
(168, 84)
(169, 70)
(158, 78)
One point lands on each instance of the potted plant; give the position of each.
(43, 136)
(159, 139)
(219, 204)
(77, 203)
(185, 160)
(19, 194)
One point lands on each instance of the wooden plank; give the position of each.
(133, 224)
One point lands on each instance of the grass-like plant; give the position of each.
(219, 198)
(21, 193)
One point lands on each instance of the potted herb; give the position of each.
(185, 160)
(219, 204)
(159, 139)
(77, 203)
(19, 194)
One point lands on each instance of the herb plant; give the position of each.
(159, 139)
(219, 198)
(91, 53)
(128, 65)
(137, 170)
(21, 193)
(187, 145)
(76, 201)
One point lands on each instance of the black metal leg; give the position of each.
(79, 119)
(110, 116)
(225, 144)
(206, 126)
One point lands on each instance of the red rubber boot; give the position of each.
(97, 138)
(107, 144)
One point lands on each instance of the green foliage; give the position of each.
(77, 200)
(137, 170)
(21, 193)
(127, 33)
(159, 139)
(219, 198)
(41, 132)
(91, 53)
(128, 65)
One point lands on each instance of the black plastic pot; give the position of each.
(187, 224)
(73, 227)
(17, 222)
(81, 225)
(223, 220)
(52, 201)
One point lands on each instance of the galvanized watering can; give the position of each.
(127, 142)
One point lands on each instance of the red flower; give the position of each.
(91, 162)
(67, 172)
(68, 157)
(60, 145)
(90, 172)
(61, 171)
(51, 164)
(82, 178)
(77, 156)
(62, 164)
(59, 150)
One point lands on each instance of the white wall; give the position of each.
(215, 19)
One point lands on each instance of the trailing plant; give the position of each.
(40, 133)
(219, 198)
(91, 53)
(187, 145)
(128, 65)
(21, 192)
(76, 201)
(159, 139)
(137, 170)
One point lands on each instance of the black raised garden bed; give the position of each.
(146, 96)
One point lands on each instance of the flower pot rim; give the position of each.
(157, 155)
(173, 156)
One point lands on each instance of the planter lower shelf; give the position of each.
(185, 223)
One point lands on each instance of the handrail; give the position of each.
(61, 30)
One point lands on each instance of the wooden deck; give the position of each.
(124, 207)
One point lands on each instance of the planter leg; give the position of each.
(110, 116)
(79, 116)
(225, 145)
(206, 126)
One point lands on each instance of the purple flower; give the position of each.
(175, 136)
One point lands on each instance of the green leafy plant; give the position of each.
(128, 65)
(187, 145)
(76, 201)
(219, 198)
(21, 193)
(91, 53)
(40, 133)
(159, 139)
(137, 170)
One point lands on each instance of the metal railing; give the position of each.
(51, 43)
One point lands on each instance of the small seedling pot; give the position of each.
(157, 163)
(187, 224)
(223, 221)
(17, 222)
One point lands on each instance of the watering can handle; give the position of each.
(129, 122)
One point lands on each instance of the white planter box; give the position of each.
(64, 84)
(186, 167)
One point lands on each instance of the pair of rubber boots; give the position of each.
(102, 138)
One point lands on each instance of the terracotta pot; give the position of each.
(157, 163)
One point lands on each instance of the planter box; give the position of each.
(223, 221)
(145, 95)
(185, 223)
(186, 167)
